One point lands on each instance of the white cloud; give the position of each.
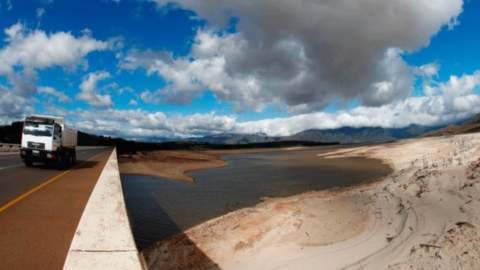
(51, 91)
(144, 124)
(89, 92)
(13, 107)
(40, 12)
(146, 96)
(456, 100)
(133, 102)
(27, 51)
(459, 94)
(110, 86)
(125, 89)
(324, 51)
(428, 70)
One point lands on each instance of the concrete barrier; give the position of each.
(7, 147)
(104, 238)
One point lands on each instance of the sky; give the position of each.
(155, 69)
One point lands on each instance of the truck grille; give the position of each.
(36, 145)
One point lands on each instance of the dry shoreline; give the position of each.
(170, 164)
(425, 215)
(176, 164)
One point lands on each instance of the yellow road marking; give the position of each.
(3, 208)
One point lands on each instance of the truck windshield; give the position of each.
(38, 129)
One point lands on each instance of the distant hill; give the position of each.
(11, 134)
(469, 126)
(357, 135)
(236, 138)
(341, 135)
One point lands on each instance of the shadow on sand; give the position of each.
(175, 252)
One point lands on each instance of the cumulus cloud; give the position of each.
(428, 74)
(27, 51)
(455, 100)
(125, 89)
(40, 12)
(428, 70)
(458, 93)
(52, 92)
(298, 54)
(302, 53)
(90, 93)
(133, 102)
(144, 124)
(13, 107)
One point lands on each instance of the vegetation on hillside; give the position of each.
(469, 126)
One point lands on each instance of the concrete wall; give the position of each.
(104, 239)
(6, 147)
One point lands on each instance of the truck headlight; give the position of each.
(49, 155)
(24, 153)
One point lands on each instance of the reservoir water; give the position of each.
(159, 208)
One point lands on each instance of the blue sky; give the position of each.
(142, 69)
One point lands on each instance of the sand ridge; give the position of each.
(169, 164)
(425, 215)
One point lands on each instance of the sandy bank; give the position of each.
(176, 164)
(425, 215)
(170, 164)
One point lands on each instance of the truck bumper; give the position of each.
(37, 155)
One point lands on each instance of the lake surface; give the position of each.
(160, 208)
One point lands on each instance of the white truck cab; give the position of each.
(47, 139)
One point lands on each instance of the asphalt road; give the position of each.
(41, 206)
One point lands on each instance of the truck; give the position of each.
(47, 139)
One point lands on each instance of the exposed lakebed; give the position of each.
(160, 208)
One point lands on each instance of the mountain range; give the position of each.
(12, 134)
(341, 135)
(358, 135)
(236, 138)
(469, 126)
(350, 134)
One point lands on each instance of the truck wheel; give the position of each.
(71, 161)
(61, 162)
(28, 163)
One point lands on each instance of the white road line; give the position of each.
(3, 168)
